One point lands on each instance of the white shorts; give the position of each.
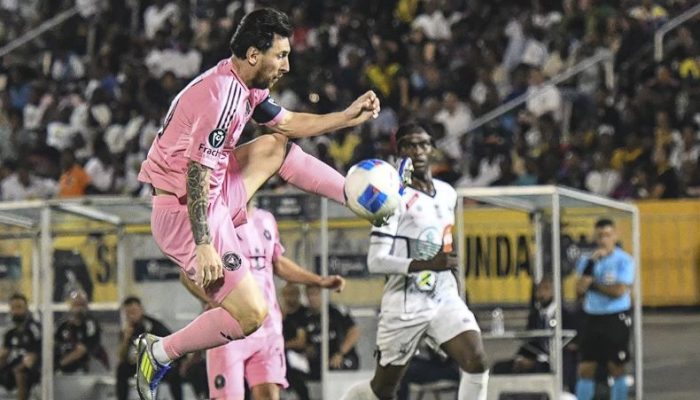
(398, 335)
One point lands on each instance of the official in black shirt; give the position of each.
(21, 350)
(294, 332)
(136, 323)
(78, 337)
(343, 335)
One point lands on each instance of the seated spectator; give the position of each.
(666, 185)
(602, 179)
(428, 366)
(294, 331)
(342, 332)
(137, 322)
(533, 356)
(21, 350)
(22, 185)
(78, 337)
(74, 180)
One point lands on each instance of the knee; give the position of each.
(253, 319)
(273, 146)
(382, 390)
(476, 363)
(616, 370)
(266, 392)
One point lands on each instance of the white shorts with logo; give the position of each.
(399, 334)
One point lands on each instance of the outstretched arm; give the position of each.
(292, 272)
(297, 125)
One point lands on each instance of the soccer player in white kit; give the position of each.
(421, 300)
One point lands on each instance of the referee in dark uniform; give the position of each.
(604, 280)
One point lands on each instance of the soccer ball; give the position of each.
(372, 190)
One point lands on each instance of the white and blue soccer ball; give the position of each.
(372, 189)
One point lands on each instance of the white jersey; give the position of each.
(421, 226)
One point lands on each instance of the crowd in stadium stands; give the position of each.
(72, 125)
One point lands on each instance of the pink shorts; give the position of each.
(170, 225)
(259, 359)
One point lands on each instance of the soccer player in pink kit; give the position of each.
(202, 183)
(259, 358)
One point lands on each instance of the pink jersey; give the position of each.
(203, 124)
(260, 244)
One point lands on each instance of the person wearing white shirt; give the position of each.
(157, 15)
(21, 185)
(455, 116)
(433, 22)
(546, 98)
(602, 180)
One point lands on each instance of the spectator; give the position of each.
(666, 184)
(294, 330)
(602, 180)
(629, 154)
(137, 322)
(545, 97)
(508, 177)
(456, 117)
(21, 350)
(534, 355)
(342, 332)
(78, 337)
(100, 169)
(433, 22)
(74, 180)
(22, 185)
(158, 16)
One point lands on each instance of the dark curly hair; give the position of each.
(258, 29)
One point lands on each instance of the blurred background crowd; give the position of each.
(80, 105)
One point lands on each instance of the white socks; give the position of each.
(473, 386)
(360, 391)
(159, 354)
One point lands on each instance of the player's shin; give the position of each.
(360, 391)
(473, 386)
(211, 329)
(312, 175)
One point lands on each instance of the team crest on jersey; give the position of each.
(216, 138)
(231, 260)
(247, 107)
(219, 382)
(267, 234)
(425, 281)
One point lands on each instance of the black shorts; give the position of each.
(606, 338)
(7, 377)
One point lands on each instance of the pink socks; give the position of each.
(312, 175)
(211, 329)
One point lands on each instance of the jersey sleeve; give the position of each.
(34, 345)
(380, 259)
(267, 112)
(625, 271)
(211, 109)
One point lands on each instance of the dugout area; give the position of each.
(505, 238)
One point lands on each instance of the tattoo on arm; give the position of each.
(198, 201)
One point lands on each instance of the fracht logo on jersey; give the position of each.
(216, 141)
